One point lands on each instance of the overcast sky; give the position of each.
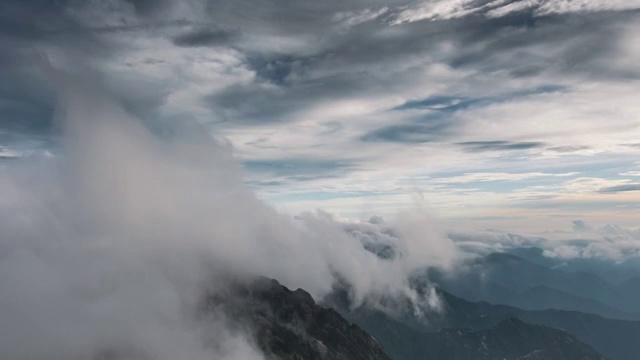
(506, 113)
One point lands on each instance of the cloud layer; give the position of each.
(108, 245)
(342, 105)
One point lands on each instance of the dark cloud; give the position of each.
(282, 91)
(205, 37)
(456, 103)
(620, 188)
(279, 70)
(441, 103)
(336, 64)
(568, 149)
(300, 169)
(148, 7)
(33, 19)
(33, 35)
(364, 60)
(26, 98)
(305, 57)
(509, 43)
(25, 115)
(439, 121)
(424, 132)
(253, 103)
(499, 145)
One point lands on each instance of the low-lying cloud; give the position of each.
(608, 242)
(108, 246)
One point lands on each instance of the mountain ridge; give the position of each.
(505, 278)
(289, 324)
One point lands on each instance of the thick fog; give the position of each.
(108, 245)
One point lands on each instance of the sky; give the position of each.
(507, 114)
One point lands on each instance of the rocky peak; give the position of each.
(290, 325)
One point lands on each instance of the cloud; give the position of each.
(439, 10)
(485, 177)
(445, 10)
(496, 145)
(411, 133)
(620, 188)
(452, 103)
(205, 37)
(446, 103)
(608, 242)
(344, 82)
(486, 111)
(299, 169)
(564, 6)
(353, 18)
(439, 122)
(568, 149)
(108, 246)
(579, 225)
(9, 155)
(88, 274)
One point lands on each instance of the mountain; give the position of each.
(535, 255)
(613, 271)
(519, 274)
(290, 325)
(540, 297)
(544, 297)
(509, 339)
(503, 278)
(629, 292)
(615, 339)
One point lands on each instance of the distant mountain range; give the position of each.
(509, 339)
(615, 339)
(613, 271)
(503, 278)
(290, 325)
(501, 306)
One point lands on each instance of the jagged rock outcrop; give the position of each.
(290, 325)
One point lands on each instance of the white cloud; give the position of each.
(483, 177)
(317, 83)
(110, 246)
(353, 18)
(570, 6)
(584, 241)
(435, 10)
(513, 7)
(443, 9)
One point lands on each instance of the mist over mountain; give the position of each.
(93, 241)
(288, 324)
(123, 229)
(503, 278)
(330, 180)
(458, 328)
